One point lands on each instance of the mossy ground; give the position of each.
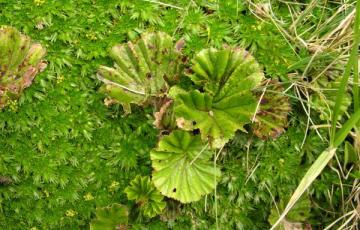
(67, 153)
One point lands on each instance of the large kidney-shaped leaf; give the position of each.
(20, 61)
(225, 104)
(183, 169)
(143, 69)
(110, 218)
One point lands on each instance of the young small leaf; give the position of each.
(143, 191)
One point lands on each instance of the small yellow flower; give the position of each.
(34, 228)
(88, 197)
(70, 213)
(59, 79)
(39, 2)
(91, 36)
(114, 186)
(47, 194)
(13, 105)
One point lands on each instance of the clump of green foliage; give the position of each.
(64, 155)
(296, 219)
(222, 102)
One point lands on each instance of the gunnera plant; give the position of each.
(20, 61)
(203, 116)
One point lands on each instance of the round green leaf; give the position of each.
(183, 169)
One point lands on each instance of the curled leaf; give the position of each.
(143, 69)
(274, 107)
(217, 120)
(20, 61)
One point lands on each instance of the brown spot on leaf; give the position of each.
(263, 101)
(180, 44)
(110, 101)
(149, 75)
(184, 59)
(189, 71)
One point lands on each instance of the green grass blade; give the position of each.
(344, 81)
(313, 172)
(355, 62)
(345, 129)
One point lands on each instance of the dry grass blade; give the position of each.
(165, 4)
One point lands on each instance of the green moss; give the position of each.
(65, 153)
